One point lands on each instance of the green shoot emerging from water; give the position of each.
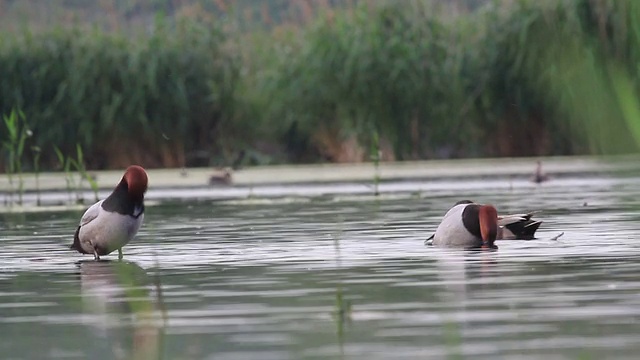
(375, 156)
(36, 168)
(78, 163)
(18, 132)
(66, 166)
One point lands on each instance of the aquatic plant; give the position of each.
(69, 166)
(80, 167)
(383, 67)
(17, 133)
(452, 339)
(36, 169)
(122, 92)
(510, 78)
(375, 157)
(65, 163)
(564, 73)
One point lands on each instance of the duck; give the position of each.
(221, 177)
(538, 175)
(468, 224)
(112, 223)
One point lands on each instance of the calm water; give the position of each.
(336, 275)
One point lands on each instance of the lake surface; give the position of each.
(335, 274)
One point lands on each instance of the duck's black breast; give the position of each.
(471, 219)
(120, 202)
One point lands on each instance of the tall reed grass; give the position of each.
(566, 73)
(414, 79)
(154, 99)
(397, 70)
(514, 78)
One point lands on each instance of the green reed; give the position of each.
(375, 157)
(79, 164)
(568, 72)
(122, 92)
(36, 169)
(65, 164)
(512, 78)
(398, 67)
(76, 166)
(17, 131)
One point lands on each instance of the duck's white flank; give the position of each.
(451, 231)
(107, 230)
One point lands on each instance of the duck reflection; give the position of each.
(459, 271)
(118, 301)
(465, 276)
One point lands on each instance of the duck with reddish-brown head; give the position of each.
(112, 223)
(468, 225)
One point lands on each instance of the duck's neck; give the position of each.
(121, 202)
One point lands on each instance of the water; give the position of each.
(339, 274)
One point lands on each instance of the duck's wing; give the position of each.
(512, 218)
(91, 214)
(504, 220)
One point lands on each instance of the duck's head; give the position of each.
(136, 180)
(488, 219)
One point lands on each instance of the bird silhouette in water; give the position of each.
(223, 175)
(539, 176)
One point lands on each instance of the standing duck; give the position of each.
(111, 223)
(468, 224)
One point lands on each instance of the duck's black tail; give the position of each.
(76, 241)
(429, 239)
(524, 230)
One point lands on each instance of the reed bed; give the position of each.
(154, 99)
(331, 81)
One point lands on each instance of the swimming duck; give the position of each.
(468, 224)
(222, 177)
(111, 223)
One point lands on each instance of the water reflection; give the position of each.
(120, 307)
(342, 311)
(334, 277)
(463, 273)
(458, 270)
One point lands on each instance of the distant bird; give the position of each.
(223, 174)
(221, 178)
(539, 176)
(468, 224)
(112, 223)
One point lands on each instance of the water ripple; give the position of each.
(330, 272)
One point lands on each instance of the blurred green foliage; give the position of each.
(416, 79)
(147, 99)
